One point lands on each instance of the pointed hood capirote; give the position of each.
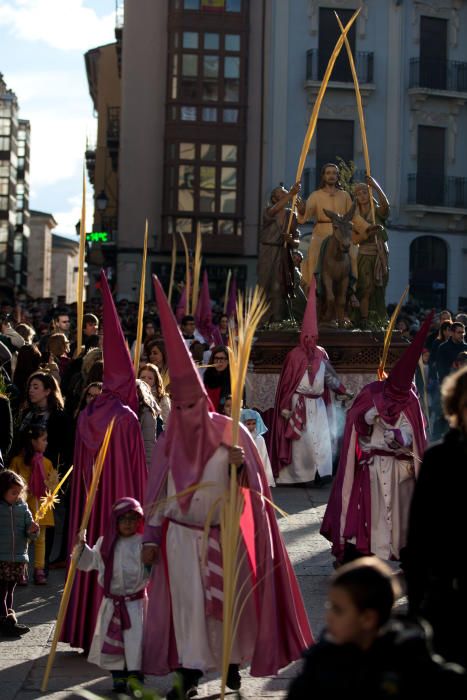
(119, 375)
(309, 332)
(203, 314)
(191, 437)
(401, 376)
(397, 390)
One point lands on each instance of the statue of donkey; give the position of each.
(335, 267)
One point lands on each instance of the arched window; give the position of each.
(428, 271)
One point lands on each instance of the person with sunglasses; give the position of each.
(216, 378)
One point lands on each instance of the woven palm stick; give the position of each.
(248, 316)
(50, 499)
(381, 374)
(172, 268)
(196, 269)
(187, 273)
(314, 115)
(82, 250)
(361, 116)
(227, 287)
(142, 289)
(97, 471)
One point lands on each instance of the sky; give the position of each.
(42, 43)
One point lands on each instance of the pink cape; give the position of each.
(283, 628)
(124, 474)
(296, 362)
(348, 512)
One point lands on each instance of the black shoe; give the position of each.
(9, 627)
(119, 685)
(185, 685)
(234, 679)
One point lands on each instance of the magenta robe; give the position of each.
(124, 474)
(295, 364)
(348, 512)
(282, 623)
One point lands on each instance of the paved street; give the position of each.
(22, 662)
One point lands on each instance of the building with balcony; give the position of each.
(215, 98)
(14, 195)
(411, 60)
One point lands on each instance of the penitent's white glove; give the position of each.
(370, 416)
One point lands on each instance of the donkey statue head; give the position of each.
(342, 227)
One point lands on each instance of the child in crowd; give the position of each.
(39, 474)
(226, 406)
(16, 528)
(255, 424)
(118, 636)
(363, 654)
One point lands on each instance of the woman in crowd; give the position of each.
(26, 332)
(45, 409)
(436, 567)
(89, 394)
(58, 346)
(29, 359)
(150, 374)
(217, 378)
(148, 412)
(149, 333)
(155, 352)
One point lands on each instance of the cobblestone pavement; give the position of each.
(22, 662)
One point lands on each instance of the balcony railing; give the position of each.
(438, 75)
(363, 63)
(438, 191)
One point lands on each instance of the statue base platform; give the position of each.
(354, 354)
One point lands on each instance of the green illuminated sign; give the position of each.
(98, 237)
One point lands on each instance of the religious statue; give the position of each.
(277, 273)
(326, 205)
(373, 270)
(330, 195)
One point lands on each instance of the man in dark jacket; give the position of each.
(448, 351)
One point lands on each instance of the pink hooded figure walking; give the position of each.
(300, 441)
(118, 635)
(184, 621)
(124, 472)
(384, 441)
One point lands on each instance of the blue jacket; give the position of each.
(14, 523)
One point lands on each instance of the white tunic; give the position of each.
(199, 637)
(129, 576)
(313, 451)
(263, 453)
(392, 482)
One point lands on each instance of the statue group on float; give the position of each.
(347, 253)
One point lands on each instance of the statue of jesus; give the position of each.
(330, 195)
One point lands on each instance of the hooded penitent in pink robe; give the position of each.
(203, 314)
(124, 472)
(306, 355)
(348, 514)
(282, 628)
